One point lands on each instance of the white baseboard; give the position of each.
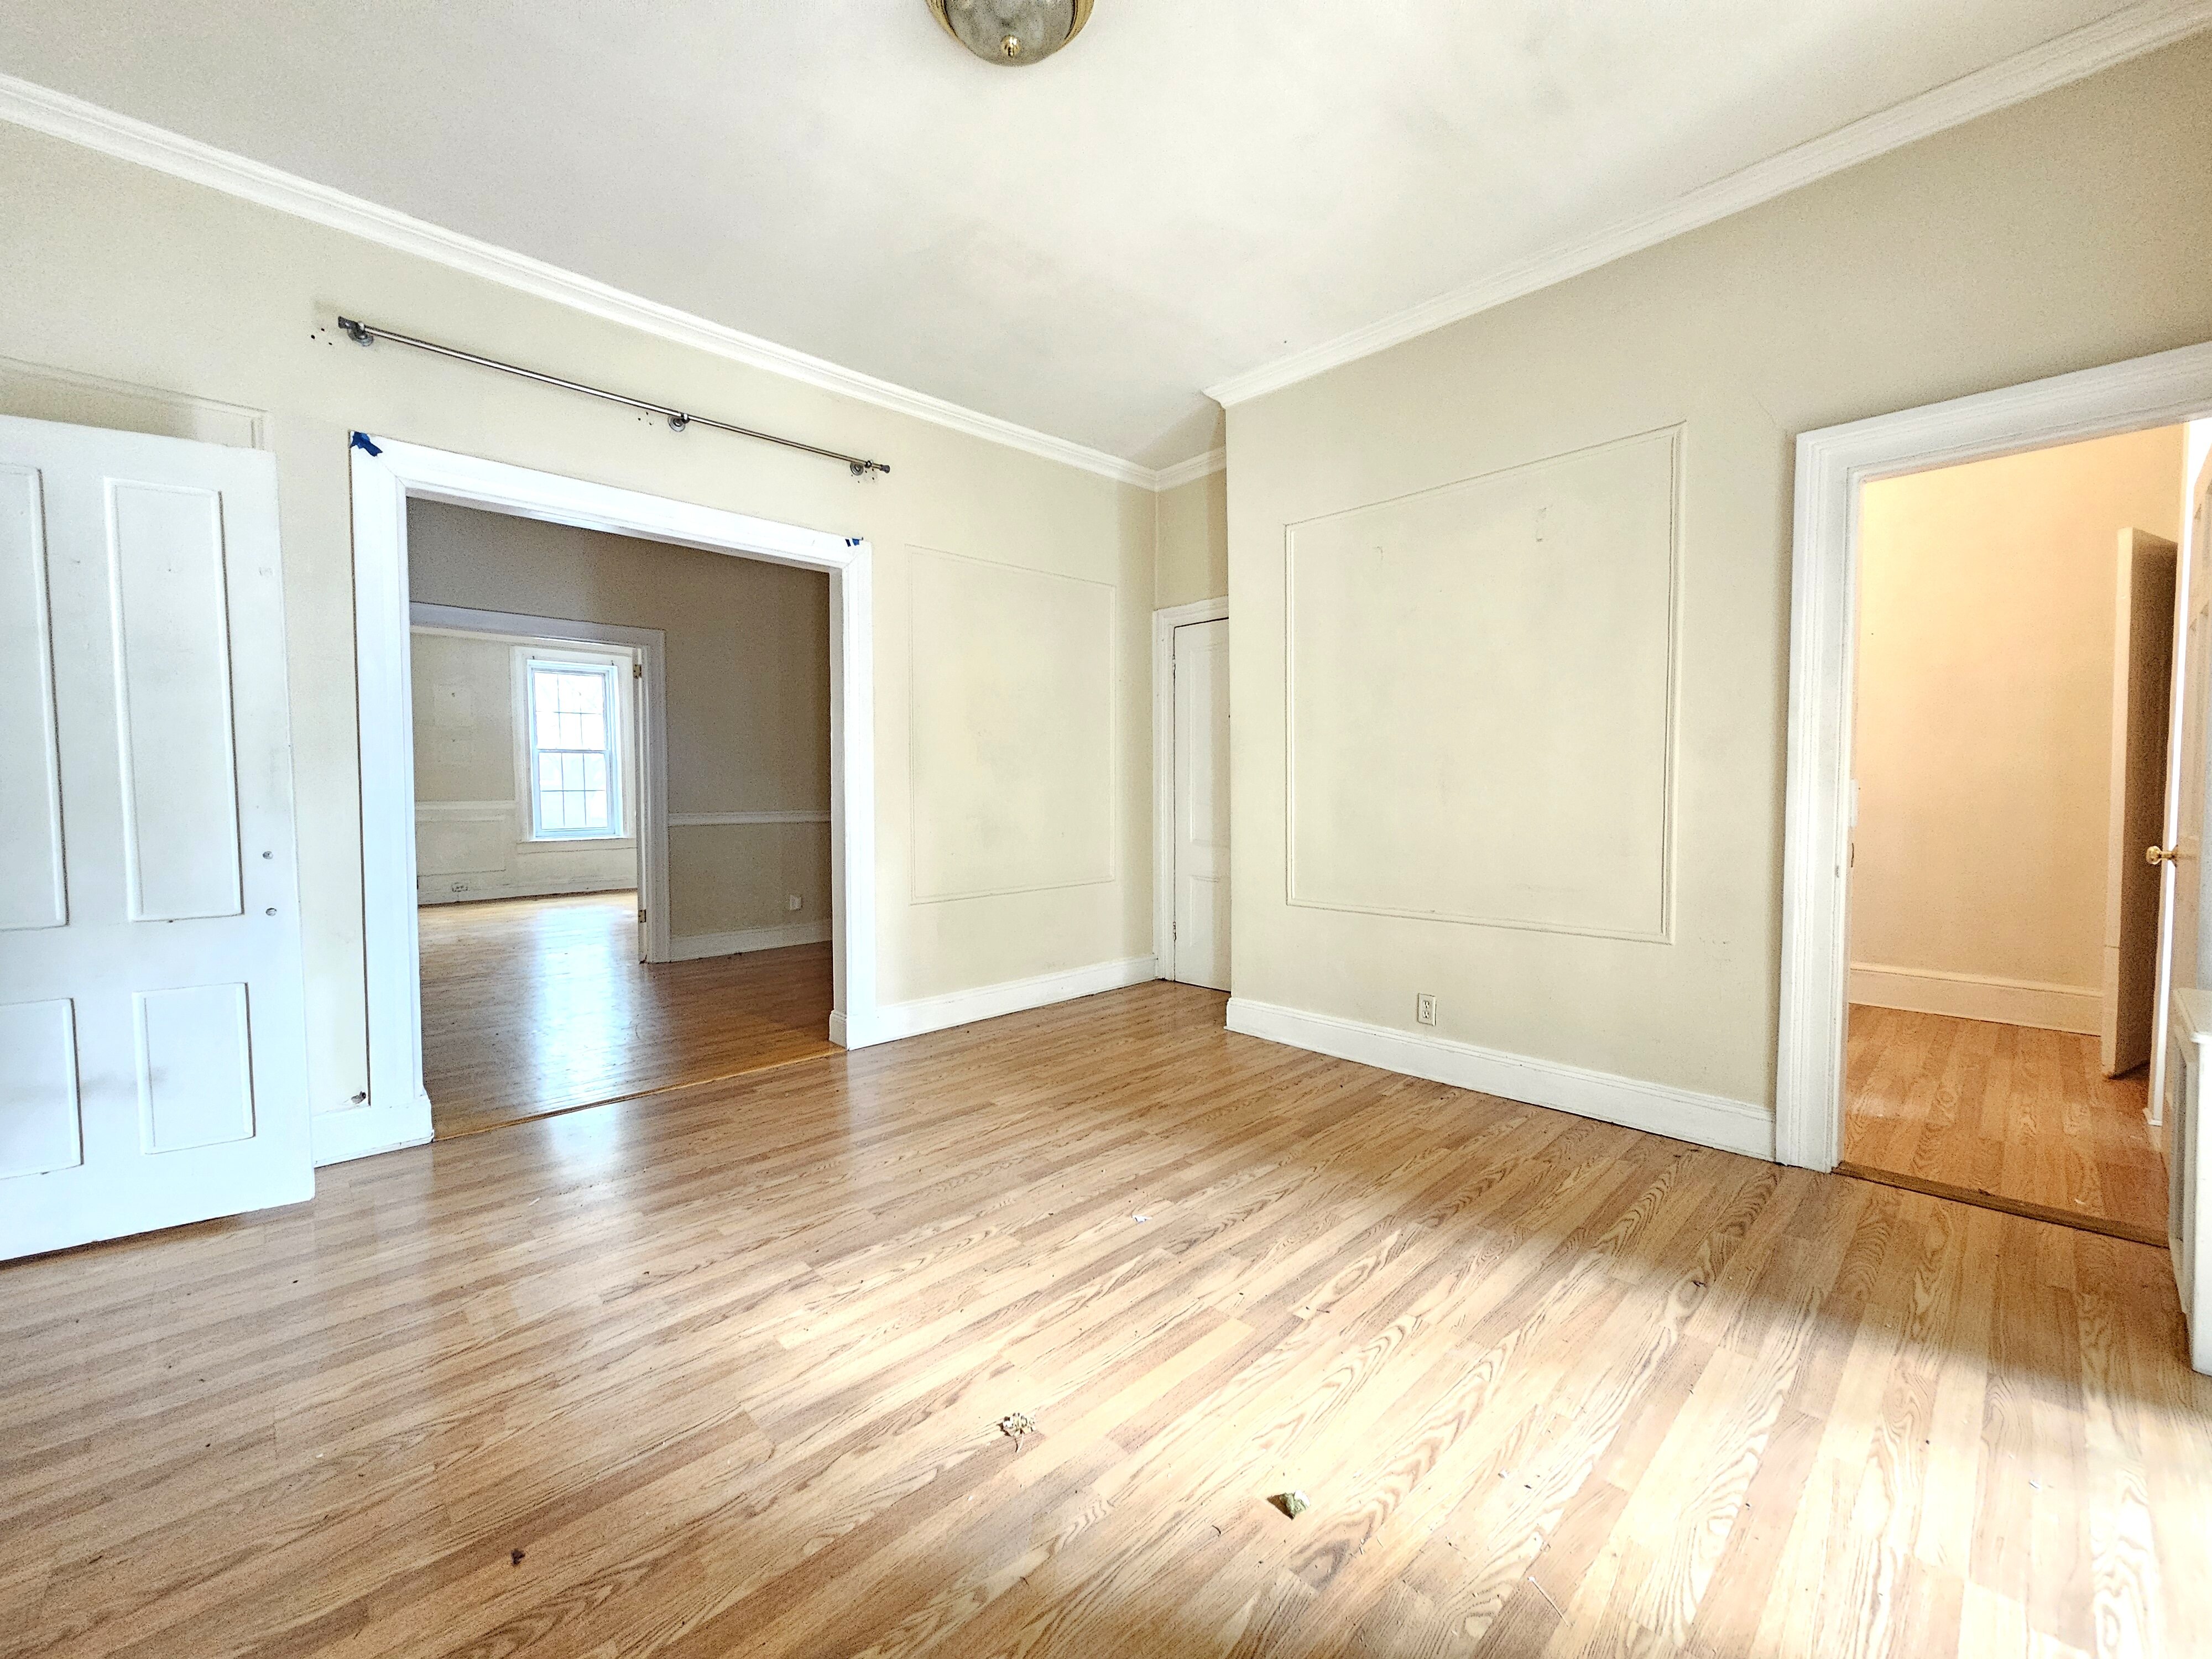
(363, 1131)
(1979, 996)
(905, 1019)
(689, 947)
(1732, 1126)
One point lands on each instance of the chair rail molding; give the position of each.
(651, 645)
(694, 820)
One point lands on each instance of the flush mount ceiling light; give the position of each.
(1013, 32)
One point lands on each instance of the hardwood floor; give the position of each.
(2023, 1116)
(719, 1374)
(540, 1004)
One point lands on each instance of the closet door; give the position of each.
(1201, 776)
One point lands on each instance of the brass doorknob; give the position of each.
(2161, 854)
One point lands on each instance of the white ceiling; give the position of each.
(1193, 188)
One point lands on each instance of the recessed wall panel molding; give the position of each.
(1481, 683)
(1010, 729)
(465, 838)
(32, 893)
(39, 1126)
(43, 391)
(172, 620)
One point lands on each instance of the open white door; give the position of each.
(2185, 1011)
(152, 1038)
(2143, 703)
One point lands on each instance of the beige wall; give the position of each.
(464, 718)
(471, 782)
(1983, 743)
(109, 270)
(2069, 231)
(1192, 561)
(748, 696)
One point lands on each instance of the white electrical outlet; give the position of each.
(1425, 1008)
(794, 903)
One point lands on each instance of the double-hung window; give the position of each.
(574, 769)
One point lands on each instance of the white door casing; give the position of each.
(152, 1047)
(1832, 464)
(1166, 623)
(1201, 814)
(387, 475)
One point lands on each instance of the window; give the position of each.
(571, 751)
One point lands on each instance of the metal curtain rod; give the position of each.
(368, 334)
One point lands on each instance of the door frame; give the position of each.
(1832, 463)
(649, 825)
(1165, 623)
(387, 475)
(2123, 853)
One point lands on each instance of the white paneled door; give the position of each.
(1201, 815)
(152, 1038)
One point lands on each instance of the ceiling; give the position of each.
(1193, 188)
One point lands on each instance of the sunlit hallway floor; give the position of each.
(2022, 1115)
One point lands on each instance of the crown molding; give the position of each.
(1198, 466)
(2126, 34)
(58, 115)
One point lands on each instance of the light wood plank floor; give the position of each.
(540, 1005)
(719, 1374)
(2019, 1116)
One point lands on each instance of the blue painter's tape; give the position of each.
(362, 440)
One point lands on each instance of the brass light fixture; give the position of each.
(1013, 32)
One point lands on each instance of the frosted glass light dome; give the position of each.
(1013, 32)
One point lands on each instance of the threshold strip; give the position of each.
(2129, 1231)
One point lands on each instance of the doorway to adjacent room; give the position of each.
(2013, 721)
(671, 881)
